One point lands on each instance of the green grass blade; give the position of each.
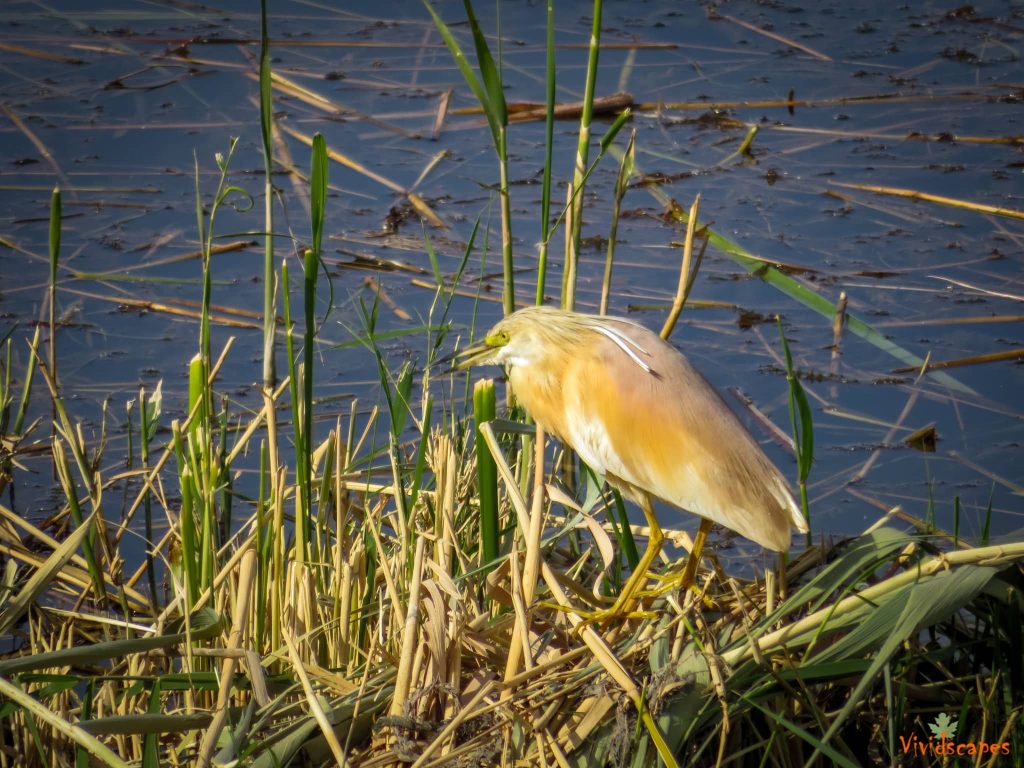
(549, 132)
(35, 709)
(489, 72)
(484, 410)
(801, 423)
(37, 583)
(150, 746)
(266, 136)
(832, 754)
(467, 71)
(204, 624)
(624, 533)
(318, 189)
(613, 130)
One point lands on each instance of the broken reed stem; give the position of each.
(519, 647)
(403, 680)
(626, 165)
(989, 357)
(953, 202)
(246, 582)
(686, 275)
(838, 324)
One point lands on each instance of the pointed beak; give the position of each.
(475, 354)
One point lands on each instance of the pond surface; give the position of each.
(117, 103)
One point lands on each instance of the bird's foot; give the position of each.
(672, 582)
(606, 616)
(602, 616)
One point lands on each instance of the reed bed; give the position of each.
(385, 636)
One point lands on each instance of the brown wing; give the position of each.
(668, 433)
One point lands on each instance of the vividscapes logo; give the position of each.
(942, 742)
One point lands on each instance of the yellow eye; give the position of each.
(499, 339)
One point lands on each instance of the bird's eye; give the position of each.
(499, 339)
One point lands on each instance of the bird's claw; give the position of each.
(601, 616)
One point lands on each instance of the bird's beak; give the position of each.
(475, 354)
(480, 353)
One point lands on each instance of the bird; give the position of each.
(638, 413)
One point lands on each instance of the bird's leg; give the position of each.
(693, 561)
(686, 579)
(623, 605)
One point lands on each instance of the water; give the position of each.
(115, 103)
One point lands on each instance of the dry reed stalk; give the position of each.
(1006, 483)
(939, 138)
(312, 98)
(36, 142)
(313, 702)
(443, 104)
(246, 583)
(989, 357)
(861, 473)
(476, 296)
(466, 713)
(410, 622)
(432, 163)
(602, 654)
(914, 194)
(525, 586)
(714, 14)
(415, 200)
(686, 275)
(926, 321)
(216, 250)
(386, 299)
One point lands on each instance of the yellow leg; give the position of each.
(693, 561)
(623, 604)
(686, 579)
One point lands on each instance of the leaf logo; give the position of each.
(943, 727)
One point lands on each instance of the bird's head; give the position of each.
(526, 337)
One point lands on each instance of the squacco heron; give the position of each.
(638, 413)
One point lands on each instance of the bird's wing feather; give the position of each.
(668, 433)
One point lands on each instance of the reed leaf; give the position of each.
(491, 96)
(550, 80)
(54, 242)
(491, 112)
(495, 108)
(204, 624)
(802, 424)
(35, 709)
(266, 138)
(484, 411)
(146, 724)
(37, 583)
